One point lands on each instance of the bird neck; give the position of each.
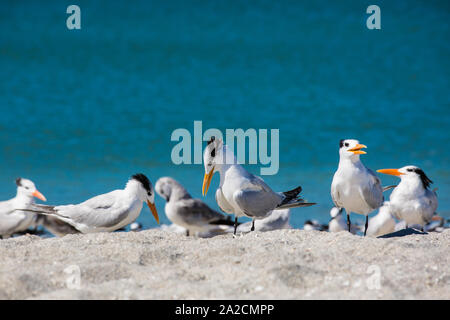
(350, 161)
(23, 198)
(410, 185)
(134, 189)
(228, 161)
(179, 193)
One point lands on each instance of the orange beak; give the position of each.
(392, 172)
(437, 218)
(207, 181)
(39, 195)
(153, 210)
(357, 149)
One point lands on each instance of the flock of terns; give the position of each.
(355, 189)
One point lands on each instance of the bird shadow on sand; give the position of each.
(402, 233)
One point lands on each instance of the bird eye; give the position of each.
(346, 144)
(27, 188)
(149, 193)
(410, 170)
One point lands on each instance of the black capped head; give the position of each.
(19, 182)
(211, 140)
(409, 172)
(144, 181)
(423, 177)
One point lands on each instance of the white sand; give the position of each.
(282, 264)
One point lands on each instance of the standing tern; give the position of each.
(241, 192)
(411, 200)
(13, 220)
(181, 209)
(355, 188)
(107, 212)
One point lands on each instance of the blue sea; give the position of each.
(82, 110)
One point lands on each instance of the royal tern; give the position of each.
(107, 212)
(192, 214)
(411, 200)
(355, 188)
(13, 220)
(241, 192)
(337, 222)
(383, 223)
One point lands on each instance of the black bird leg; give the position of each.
(235, 225)
(253, 225)
(367, 224)
(187, 233)
(348, 221)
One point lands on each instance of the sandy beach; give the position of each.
(282, 264)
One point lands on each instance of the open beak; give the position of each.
(357, 149)
(392, 172)
(207, 181)
(153, 210)
(39, 195)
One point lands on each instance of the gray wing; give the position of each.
(56, 226)
(196, 212)
(256, 203)
(335, 195)
(373, 192)
(431, 196)
(222, 202)
(258, 199)
(102, 211)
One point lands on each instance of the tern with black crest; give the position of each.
(107, 212)
(412, 200)
(355, 188)
(240, 192)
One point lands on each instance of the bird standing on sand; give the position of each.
(383, 223)
(192, 214)
(107, 212)
(13, 220)
(355, 188)
(337, 222)
(411, 200)
(241, 192)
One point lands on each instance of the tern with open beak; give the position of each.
(411, 200)
(192, 214)
(241, 192)
(355, 188)
(107, 212)
(13, 220)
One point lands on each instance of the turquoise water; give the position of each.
(83, 110)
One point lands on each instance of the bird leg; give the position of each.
(235, 225)
(367, 224)
(253, 225)
(348, 221)
(187, 233)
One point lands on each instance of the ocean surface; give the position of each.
(82, 110)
